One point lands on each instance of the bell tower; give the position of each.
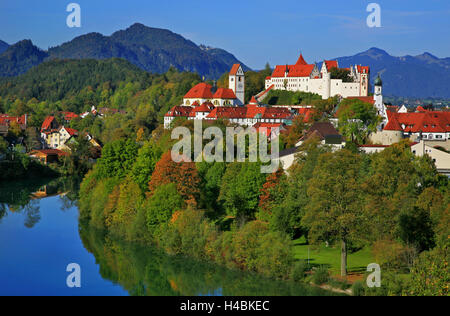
(237, 82)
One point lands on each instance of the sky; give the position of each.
(255, 31)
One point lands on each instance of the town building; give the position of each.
(309, 78)
(6, 121)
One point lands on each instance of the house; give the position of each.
(270, 130)
(6, 121)
(47, 156)
(326, 133)
(232, 96)
(431, 126)
(309, 78)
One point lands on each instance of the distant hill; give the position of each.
(151, 49)
(421, 76)
(20, 57)
(3, 46)
(58, 79)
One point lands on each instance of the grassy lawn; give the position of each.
(331, 256)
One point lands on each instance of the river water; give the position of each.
(40, 235)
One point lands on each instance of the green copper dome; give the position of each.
(378, 81)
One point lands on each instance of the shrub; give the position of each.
(358, 288)
(321, 275)
(299, 270)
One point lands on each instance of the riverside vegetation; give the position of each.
(391, 202)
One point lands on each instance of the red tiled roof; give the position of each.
(223, 93)
(234, 69)
(50, 152)
(426, 122)
(301, 71)
(363, 69)
(179, 111)
(206, 107)
(6, 119)
(71, 131)
(47, 123)
(331, 64)
(202, 91)
(269, 127)
(301, 61)
(227, 113)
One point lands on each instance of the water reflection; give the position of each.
(23, 197)
(146, 271)
(117, 267)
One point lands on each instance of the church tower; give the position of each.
(237, 82)
(378, 97)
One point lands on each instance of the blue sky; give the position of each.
(256, 32)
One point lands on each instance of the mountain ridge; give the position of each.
(151, 49)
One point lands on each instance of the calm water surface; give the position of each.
(40, 235)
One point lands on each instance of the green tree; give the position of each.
(145, 163)
(334, 212)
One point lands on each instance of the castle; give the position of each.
(308, 78)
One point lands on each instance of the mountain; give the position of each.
(421, 76)
(3, 46)
(151, 49)
(20, 57)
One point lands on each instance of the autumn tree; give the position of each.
(334, 212)
(183, 174)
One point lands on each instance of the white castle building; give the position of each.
(308, 78)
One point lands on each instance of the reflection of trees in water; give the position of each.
(146, 271)
(32, 213)
(3, 211)
(18, 196)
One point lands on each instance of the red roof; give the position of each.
(301, 61)
(202, 91)
(426, 122)
(331, 64)
(234, 69)
(293, 70)
(363, 69)
(227, 113)
(50, 152)
(267, 128)
(71, 131)
(47, 123)
(6, 119)
(223, 93)
(205, 107)
(179, 111)
(301, 70)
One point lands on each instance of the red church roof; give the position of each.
(201, 91)
(223, 93)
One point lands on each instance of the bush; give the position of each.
(321, 275)
(358, 288)
(299, 270)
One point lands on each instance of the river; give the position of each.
(40, 235)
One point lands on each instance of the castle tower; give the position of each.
(237, 82)
(364, 82)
